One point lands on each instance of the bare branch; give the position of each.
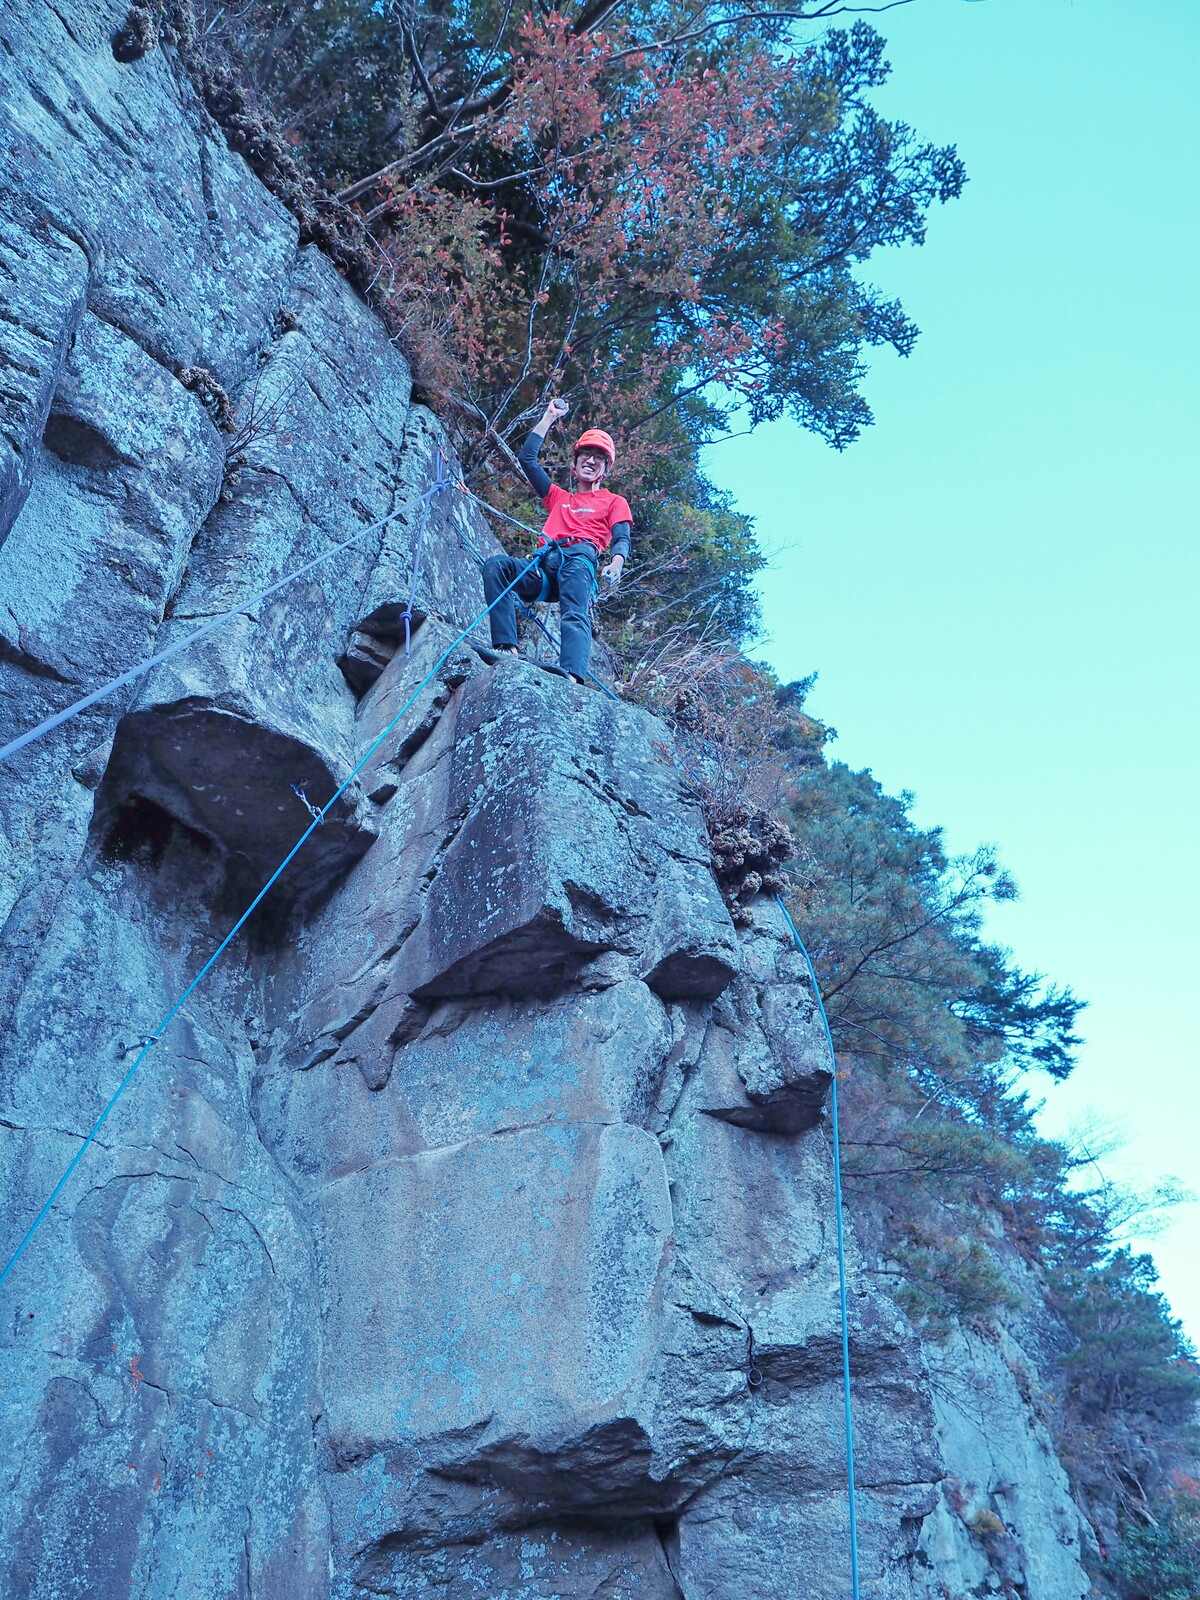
(487, 60)
(593, 16)
(889, 944)
(400, 165)
(470, 409)
(414, 55)
(740, 17)
(496, 183)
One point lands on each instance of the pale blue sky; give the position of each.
(997, 584)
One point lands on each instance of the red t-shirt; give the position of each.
(583, 517)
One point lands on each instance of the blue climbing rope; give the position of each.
(143, 667)
(841, 1248)
(494, 511)
(318, 818)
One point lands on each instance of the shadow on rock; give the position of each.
(244, 788)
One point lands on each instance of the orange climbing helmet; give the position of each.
(598, 440)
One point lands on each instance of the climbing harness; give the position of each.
(841, 1247)
(57, 720)
(318, 817)
(544, 592)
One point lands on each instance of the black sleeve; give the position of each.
(539, 478)
(620, 540)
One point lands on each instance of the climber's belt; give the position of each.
(559, 549)
(551, 558)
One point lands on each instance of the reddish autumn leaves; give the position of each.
(577, 243)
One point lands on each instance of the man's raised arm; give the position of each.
(539, 478)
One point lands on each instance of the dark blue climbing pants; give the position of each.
(571, 575)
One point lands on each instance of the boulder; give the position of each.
(572, 837)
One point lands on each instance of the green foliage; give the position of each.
(697, 560)
(951, 1277)
(1011, 1011)
(1130, 1354)
(894, 927)
(332, 73)
(678, 205)
(655, 210)
(1160, 1559)
(840, 182)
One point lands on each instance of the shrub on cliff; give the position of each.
(965, 1208)
(936, 1030)
(1160, 1556)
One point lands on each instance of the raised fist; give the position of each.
(558, 409)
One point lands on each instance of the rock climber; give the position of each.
(584, 523)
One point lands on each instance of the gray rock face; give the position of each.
(1004, 1517)
(44, 277)
(469, 1231)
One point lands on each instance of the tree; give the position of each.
(632, 203)
(895, 932)
(1130, 1353)
(935, 1030)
